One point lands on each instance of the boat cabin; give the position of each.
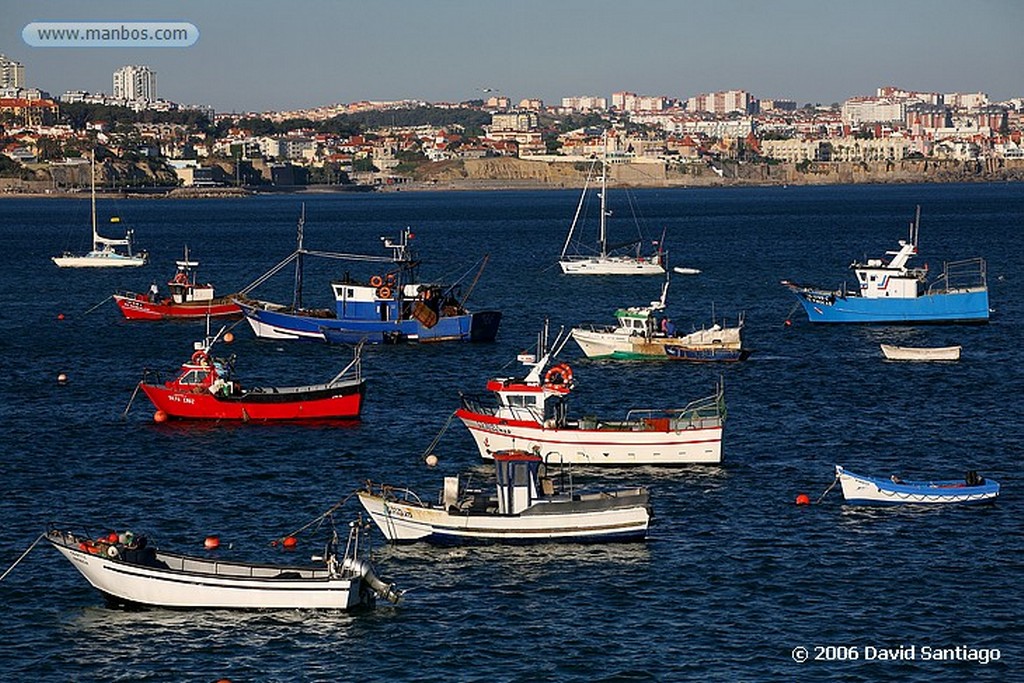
(517, 475)
(519, 400)
(385, 299)
(204, 372)
(879, 280)
(183, 286)
(636, 321)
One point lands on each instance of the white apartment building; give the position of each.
(858, 110)
(584, 103)
(12, 73)
(723, 102)
(135, 82)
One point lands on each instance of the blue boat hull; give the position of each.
(481, 326)
(956, 307)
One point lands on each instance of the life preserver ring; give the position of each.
(200, 358)
(426, 295)
(181, 278)
(558, 374)
(376, 281)
(384, 292)
(390, 278)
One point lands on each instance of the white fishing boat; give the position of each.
(859, 489)
(532, 413)
(921, 353)
(644, 333)
(127, 571)
(104, 253)
(606, 260)
(525, 508)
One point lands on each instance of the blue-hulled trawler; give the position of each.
(893, 293)
(390, 306)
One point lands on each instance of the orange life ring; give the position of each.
(390, 278)
(181, 278)
(200, 358)
(376, 281)
(561, 371)
(426, 295)
(384, 292)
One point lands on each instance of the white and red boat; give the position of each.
(188, 299)
(206, 389)
(531, 414)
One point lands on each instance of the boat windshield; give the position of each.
(194, 377)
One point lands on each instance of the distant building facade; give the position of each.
(724, 102)
(134, 82)
(12, 73)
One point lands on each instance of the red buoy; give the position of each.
(290, 542)
(159, 417)
(211, 543)
(60, 316)
(803, 499)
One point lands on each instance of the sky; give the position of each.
(258, 55)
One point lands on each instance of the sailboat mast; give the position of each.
(297, 294)
(92, 174)
(602, 241)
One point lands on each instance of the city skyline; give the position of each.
(261, 56)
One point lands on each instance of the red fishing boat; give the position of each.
(188, 298)
(206, 389)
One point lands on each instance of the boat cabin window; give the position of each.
(521, 401)
(863, 276)
(874, 278)
(194, 377)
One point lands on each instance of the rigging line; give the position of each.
(23, 555)
(124, 415)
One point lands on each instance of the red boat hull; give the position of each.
(139, 307)
(298, 403)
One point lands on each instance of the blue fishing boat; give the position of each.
(859, 489)
(392, 305)
(893, 293)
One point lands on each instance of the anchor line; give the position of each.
(98, 305)
(826, 491)
(437, 438)
(316, 520)
(23, 555)
(128, 407)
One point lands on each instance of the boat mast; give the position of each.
(602, 241)
(297, 293)
(92, 174)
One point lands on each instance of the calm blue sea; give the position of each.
(734, 576)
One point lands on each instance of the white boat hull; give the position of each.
(596, 446)
(618, 344)
(263, 588)
(402, 522)
(611, 265)
(921, 353)
(266, 331)
(99, 259)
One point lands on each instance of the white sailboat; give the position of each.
(602, 262)
(104, 252)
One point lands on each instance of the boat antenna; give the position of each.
(297, 293)
(915, 227)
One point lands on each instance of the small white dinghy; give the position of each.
(921, 352)
(686, 271)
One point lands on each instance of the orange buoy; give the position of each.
(229, 337)
(803, 499)
(160, 417)
(290, 542)
(211, 543)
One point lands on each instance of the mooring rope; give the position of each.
(830, 487)
(430, 448)
(23, 555)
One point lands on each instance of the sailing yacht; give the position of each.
(602, 261)
(104, 252)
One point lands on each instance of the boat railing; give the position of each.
(701, 413)
(596, 327)
(398, 494)
(966, 275)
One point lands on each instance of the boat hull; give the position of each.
(253, 587)
(921, 353)
(863, 490)
(650, 444)
(340, 401)
(140, 307)
(953, 307)
(100, 259)
(611, 266)
(481, 326)
(402, 522)
(621, 346)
